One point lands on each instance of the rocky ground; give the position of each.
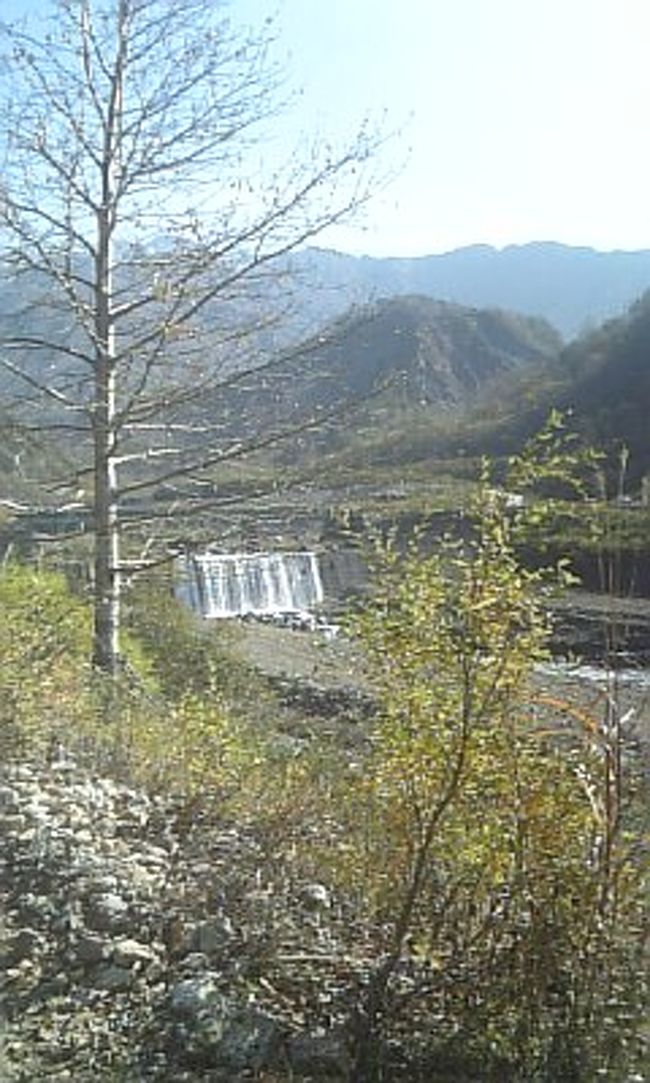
(581, 623)
(136, 945)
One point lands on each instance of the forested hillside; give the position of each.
(603, 379)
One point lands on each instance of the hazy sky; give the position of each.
(525, 119)
(520, 119)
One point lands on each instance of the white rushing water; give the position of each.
(218, 585)
(626, 677)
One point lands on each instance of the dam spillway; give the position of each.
(221, 585)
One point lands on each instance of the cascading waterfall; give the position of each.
(234, 584)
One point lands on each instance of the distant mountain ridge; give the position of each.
(573, 288)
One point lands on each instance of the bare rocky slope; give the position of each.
(138, 944)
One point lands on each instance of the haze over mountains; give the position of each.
(575, 289)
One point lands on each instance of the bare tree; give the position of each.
(147, 228)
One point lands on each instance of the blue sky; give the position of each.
(520, 119)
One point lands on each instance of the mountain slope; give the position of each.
(609, 383)
(402, 353)
(603, 379)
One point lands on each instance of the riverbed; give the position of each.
(335, 664)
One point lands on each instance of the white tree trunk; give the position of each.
(106, 557)
(106, 633)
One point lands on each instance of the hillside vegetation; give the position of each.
(379, 366)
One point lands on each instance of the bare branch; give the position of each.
(39, 385)
(248, 447)
(33, 343)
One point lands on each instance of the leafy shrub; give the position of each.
(163, 723)
(44, 644)
(184, 655)
(489, 826)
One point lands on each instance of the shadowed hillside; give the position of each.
(399, 353)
